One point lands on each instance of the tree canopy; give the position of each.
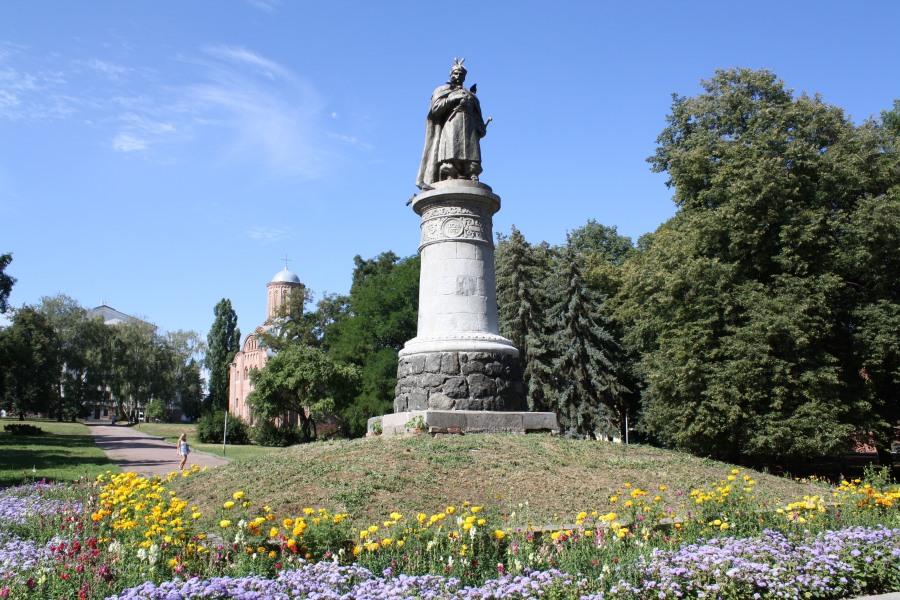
(6, 282)
(223, 341)
(758, 311)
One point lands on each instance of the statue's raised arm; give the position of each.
(453, 131)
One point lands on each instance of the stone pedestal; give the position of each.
(459, 381)
(458, 362)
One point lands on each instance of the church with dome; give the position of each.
(252, 355)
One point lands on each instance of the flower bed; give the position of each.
(127, 536)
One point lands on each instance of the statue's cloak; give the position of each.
(429, 167)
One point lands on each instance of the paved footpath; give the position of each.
(145, 454)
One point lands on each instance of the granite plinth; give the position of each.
(464, 421)
(459, 381)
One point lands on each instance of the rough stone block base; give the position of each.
(464, 421)
(459, 381)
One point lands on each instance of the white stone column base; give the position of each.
(463, 421)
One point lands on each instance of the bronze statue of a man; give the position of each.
(453, 131)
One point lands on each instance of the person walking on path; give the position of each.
(183, 450)
(135, 451)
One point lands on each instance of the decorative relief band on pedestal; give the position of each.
(455, 222)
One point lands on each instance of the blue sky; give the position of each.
(161, 155)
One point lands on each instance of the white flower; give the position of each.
(472, 532)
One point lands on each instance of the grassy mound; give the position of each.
(557, 477)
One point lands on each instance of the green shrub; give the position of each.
(23, 429)
(266, 433)
(210, 426)
(156, 411)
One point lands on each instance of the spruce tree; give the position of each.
(223, 342)
(591, 397)
(523, 305)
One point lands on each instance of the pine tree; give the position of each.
(224, 341)
(522, 303)
(591, 395)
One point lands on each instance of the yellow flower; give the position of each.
(363, 534)
(238, 495)
(629, 504)
(608, 517)
(308, 511)
(224, 523)
(273, 532)
(386, 542)
(481, 522)
(499, 534)
(228, 505)
(450, 510)
(272, 554)
(475, 509)
(373, 528)
(421, 517)
(396, 516)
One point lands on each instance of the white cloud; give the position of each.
(126, 142)
(138, 132)
(278, 120)
(258, 110)
(111, 70)
(351, 140)
(264, 234)
(268, 6)
(240, 55)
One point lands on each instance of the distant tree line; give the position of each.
(58, 361)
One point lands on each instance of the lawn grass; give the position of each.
(65, 452)
(172, 431)
(543, 479)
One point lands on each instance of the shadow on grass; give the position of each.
(47, 454)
